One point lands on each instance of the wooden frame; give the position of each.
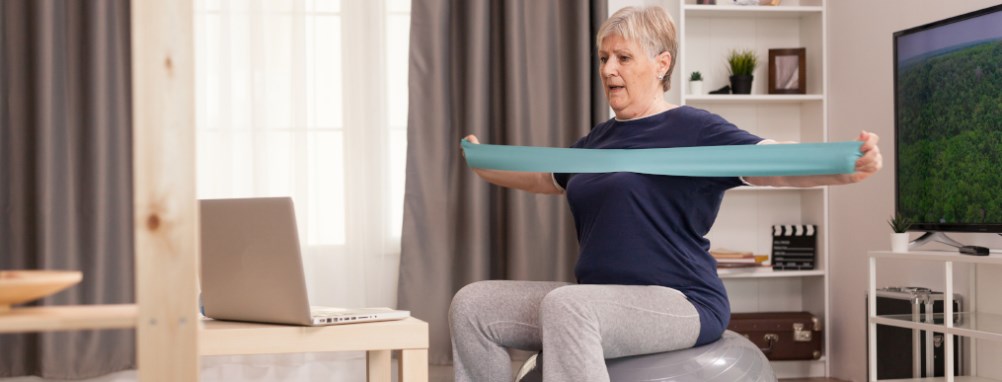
(169, 332)
(788, 71)
(165, 220)
(165, 210)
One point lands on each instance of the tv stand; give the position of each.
(939, 237)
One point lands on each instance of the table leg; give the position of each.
(378, 366)
(414, 365)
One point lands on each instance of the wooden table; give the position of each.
(377, 339)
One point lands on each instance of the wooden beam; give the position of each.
(71, 317)
(414, 365)
(166, 216)
(378, 366)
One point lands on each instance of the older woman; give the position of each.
(646, 282)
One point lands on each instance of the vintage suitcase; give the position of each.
(781, 335)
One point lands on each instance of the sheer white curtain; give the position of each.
(308, 98)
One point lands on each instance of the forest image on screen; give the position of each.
(949, 134)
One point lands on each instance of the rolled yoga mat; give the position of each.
(739, 160)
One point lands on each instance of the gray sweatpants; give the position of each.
(576, 326)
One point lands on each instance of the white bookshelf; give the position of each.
(707, 35)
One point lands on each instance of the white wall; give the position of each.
(860, 97)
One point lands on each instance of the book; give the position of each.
(729, 254)
(736, 259)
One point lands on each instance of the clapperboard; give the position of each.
(794, 246)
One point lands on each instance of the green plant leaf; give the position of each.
(742, 63)
(899, 223)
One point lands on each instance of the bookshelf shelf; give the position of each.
(753, 99)
(742, 11)
(765, 272)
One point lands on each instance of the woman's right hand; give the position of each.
(473, 139)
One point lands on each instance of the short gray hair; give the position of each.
(651, 27)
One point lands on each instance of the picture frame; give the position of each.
(788, 71)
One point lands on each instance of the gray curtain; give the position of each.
(65, 168)
(518, 72)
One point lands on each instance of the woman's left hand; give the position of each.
(872, 161)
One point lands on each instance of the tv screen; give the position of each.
(948, 123)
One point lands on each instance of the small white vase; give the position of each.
(696, 87)
(899, 242)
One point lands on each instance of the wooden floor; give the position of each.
(444, 374)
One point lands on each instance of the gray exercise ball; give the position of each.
(732, 358)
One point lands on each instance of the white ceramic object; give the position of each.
(899, 242)
(696, 87)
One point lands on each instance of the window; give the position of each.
(308, 98)
(273, 81)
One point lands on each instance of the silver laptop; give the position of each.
(252, 269)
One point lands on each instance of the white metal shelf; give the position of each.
(984, 326)
(939, 256)
(739, 11)
(974, 324)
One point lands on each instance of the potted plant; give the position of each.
(741, 65)
(899, 238)
(696, 83)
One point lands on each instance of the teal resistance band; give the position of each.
(740, 160)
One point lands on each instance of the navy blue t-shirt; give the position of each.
(637, 229)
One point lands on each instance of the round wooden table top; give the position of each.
(21, 286)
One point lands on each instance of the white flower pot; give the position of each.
(899, 242)
(696, 87)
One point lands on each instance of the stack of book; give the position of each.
(735, 259)
(794, 246)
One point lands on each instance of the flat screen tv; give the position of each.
(948, 123)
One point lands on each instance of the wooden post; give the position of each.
(166, 215)
(378, 366)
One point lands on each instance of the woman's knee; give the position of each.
(471, 299)
(565, 304)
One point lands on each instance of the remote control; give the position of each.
(974, 250)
